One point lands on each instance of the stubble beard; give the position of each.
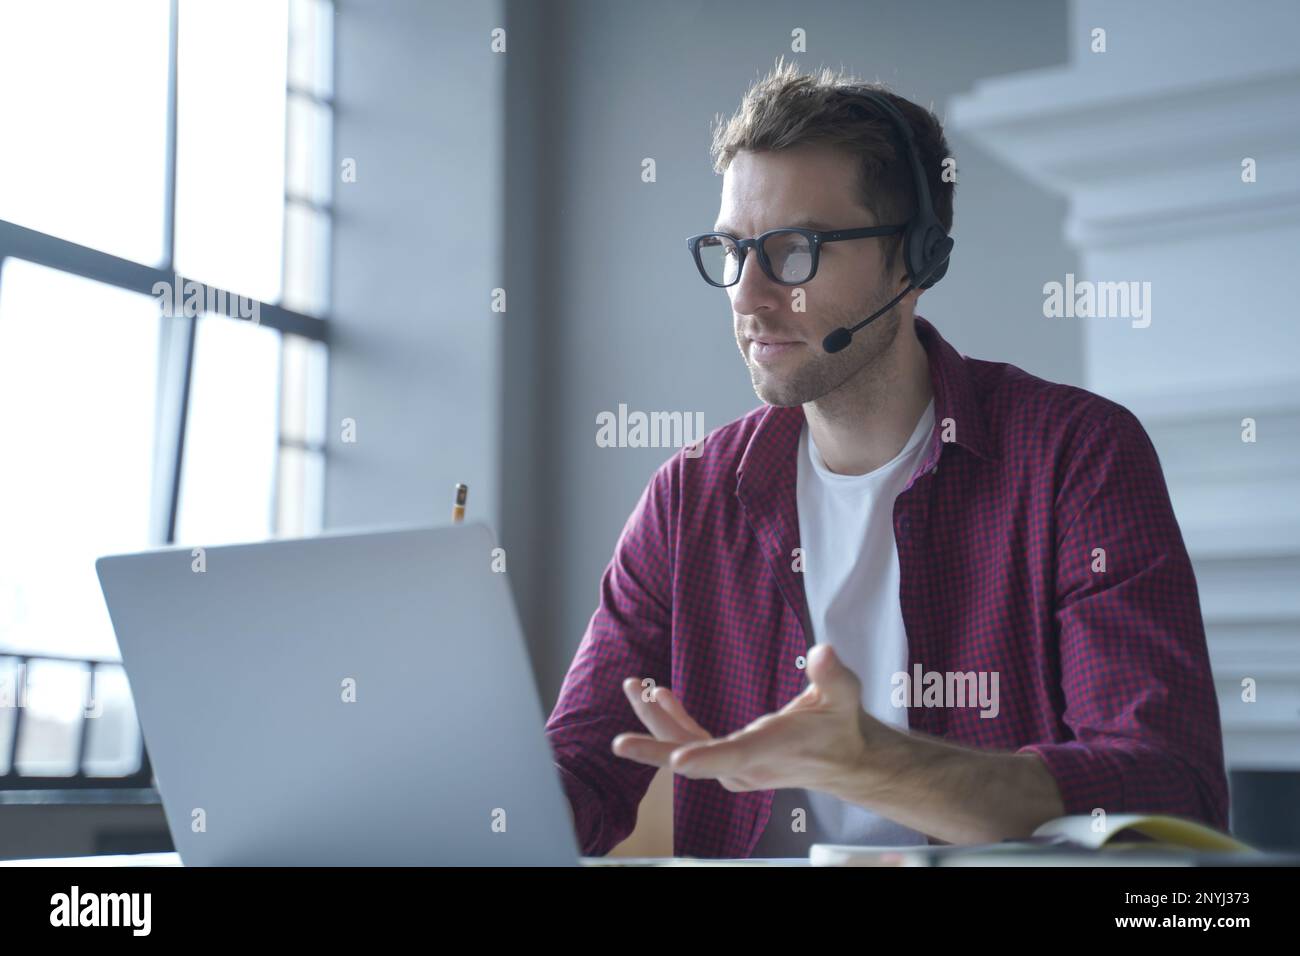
(821, 373)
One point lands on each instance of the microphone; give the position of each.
(840, 338)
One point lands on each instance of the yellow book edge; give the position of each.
(1163, 832)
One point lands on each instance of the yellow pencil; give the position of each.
(458, 509)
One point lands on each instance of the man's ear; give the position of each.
(899, 267)
(900, 271)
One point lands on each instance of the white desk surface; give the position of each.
(173, 859)
(124, 859)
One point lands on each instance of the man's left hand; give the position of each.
(817, 741)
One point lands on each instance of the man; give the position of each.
(914, 596)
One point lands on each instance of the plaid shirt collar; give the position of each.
(769, 461)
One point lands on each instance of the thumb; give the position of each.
(827, 671)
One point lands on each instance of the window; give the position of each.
(165, 211)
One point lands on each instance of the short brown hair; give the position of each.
(790, 108)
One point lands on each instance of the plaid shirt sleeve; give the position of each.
(629, 635)
(1134, 669)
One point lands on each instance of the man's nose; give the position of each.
(755, 290)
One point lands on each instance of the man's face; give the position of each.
(815, 187)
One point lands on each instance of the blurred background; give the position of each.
(441, 216)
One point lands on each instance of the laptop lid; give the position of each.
(349, 699)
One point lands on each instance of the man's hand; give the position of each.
(817, 741)
(823, 740)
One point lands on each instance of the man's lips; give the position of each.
(767, 348)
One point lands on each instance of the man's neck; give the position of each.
(866, 421)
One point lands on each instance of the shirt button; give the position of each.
(904, 526)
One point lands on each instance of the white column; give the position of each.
(1147, 141)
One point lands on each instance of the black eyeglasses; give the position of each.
(788, 256)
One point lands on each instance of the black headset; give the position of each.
(926, 243)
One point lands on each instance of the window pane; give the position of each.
(228, 474)
(56, 695)
(306, 259)
(309, 150)
(83, 110)
(11, 695)
(311, 46)
(300, 500)
(302, 391)
(230, 141)
(112, 730)
(78, 372)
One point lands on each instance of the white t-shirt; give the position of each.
(850, 578)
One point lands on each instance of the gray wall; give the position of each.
(415, 359)
(604, 304)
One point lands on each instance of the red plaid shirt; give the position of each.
(1104, 675)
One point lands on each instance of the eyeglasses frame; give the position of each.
(815, 240)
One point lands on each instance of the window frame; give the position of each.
(174, 391)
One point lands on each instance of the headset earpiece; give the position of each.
(926, 245)
(924, 239)
(933, 243)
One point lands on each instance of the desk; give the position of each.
(1047, 857)
(112, 859)
(173, 859)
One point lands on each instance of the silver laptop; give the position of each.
(350, 699)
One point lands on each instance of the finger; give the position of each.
(807, 697)
(654, 717)
(827, 671)
(726, 756)
(644, 749)
(669, 702)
